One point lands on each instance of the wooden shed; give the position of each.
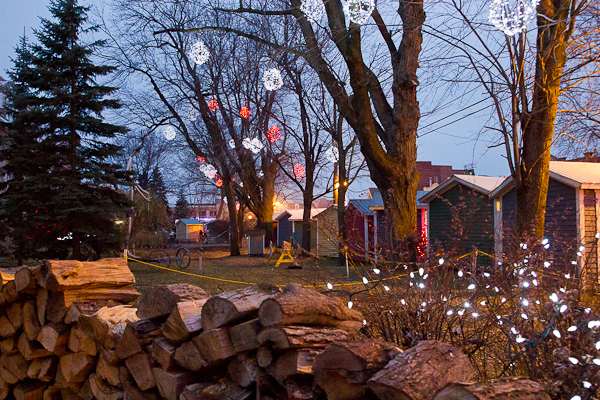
(188, 229)
(327, 237)
(571, 217)
(461, 215)
(360, 229)
(289, 225)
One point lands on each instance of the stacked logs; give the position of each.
(181, 344)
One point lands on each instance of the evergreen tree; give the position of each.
(58, 151)
(157, 185)
(181, 207)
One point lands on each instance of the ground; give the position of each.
(216, 263)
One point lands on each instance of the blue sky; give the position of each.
(445, 145)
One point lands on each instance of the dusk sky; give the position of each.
(445, 145)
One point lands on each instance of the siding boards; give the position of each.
(460, 219)
(590, 242)
(284, 230)
(355, 232)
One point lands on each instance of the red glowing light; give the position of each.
(219, 182)
(298, 171)
(213, 105)
(245, 112)
(273, 134)
(201, 159)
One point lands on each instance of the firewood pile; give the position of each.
(68, 331)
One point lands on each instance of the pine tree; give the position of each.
(58, 148)
(157, 185)
(181, 207)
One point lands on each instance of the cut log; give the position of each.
(9, 292)
(31, 325)
(163, 352)
(343, 368)
(104, 391)
(55, 338)
(295, 362)
(161, 300)
(63, 275)
(136, 336)
(244, 370)
(301, 306)
(31, 390)
(109, 355)
(170, 384)
(188, 356)
(43, 369)
(56, 309)
(503, 388)
(139, 367)
(8, 345)
(52, 393)
(108, 372)
(6, 328)
(421, 371)
(264, 357)
(41, 302)
(108, 324)
(194, 391)
(134, 393)
(285, 337)
(75, 367)
(225, 390)
(86, 391)
(230, 307)
(244, 336)
(8, 376)
(4, 389)
(25, 281)
(15, 315)
(31, 350)
(215, 345)
(16, 364)
(184, 321)
(80, 340)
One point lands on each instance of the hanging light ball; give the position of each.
(192, 115)
(298, 171)
(213, 105)
(272, 79)
(254, 145)
(512, 16)
(208, 170)
(245, 112)
(273, 134)
(332, 154)
(359, 11)
(260, 174)
(201, 159)
(313, 9)
(169, 133)
(199, 53)
(218, 180)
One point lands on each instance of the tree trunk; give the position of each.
(532, 191)
(306, 231)
(234, 247)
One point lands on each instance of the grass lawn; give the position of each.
(217, 263)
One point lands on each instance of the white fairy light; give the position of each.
(260, 174)
(545, 241)
(254, 145)
(403, 302)
(520, 339)
(332, 154)
(449, 312)
(422, 285)
(387, 288)
(421, 271)
(376, 271)
(547, 264)
(503, 300)
(594, 324)
(471, 286)
(483, 303)
(572, 328)
(535, 282)
(556, 333)
(412, 275)
(598, 235)
(525, 284)
(169, 133)
(350, 304)
(460, 274)
(425, 276)
(554, 298)
(329, 286)
(441, 261)
(359, 11)
(461, 312)
(272, 79)
(467, 304)
(208, 170)
(581, 248)
(598, 345)
(514, 330)
(232, 143)
(524, 316)
(486, 274)
(199, 53)
(525, 302)
(365, 281)
(573, 360)
(475, 315)
(586, 384)
(313, 9)
(563, 308)
(596, 361)
(576, 398)
(512, 17)
(568, 276)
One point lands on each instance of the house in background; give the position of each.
(289, 225)
(572, 217)
(327, 238)
(188, 229)
(360, 228)
(460, 215)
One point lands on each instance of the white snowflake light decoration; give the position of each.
(359, 11)
(272, 79)
(260, 174)
(313, 9)
(199, 53)
(332, 154)
(169, 133)
(208, 170)
(512, 16)
(232, 143)
(254, 145)
(192, 114)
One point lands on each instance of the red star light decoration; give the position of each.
(245, 112)
(213, 105)
(218, 180)
(201, 159)
(273, 134)
(298, 171)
